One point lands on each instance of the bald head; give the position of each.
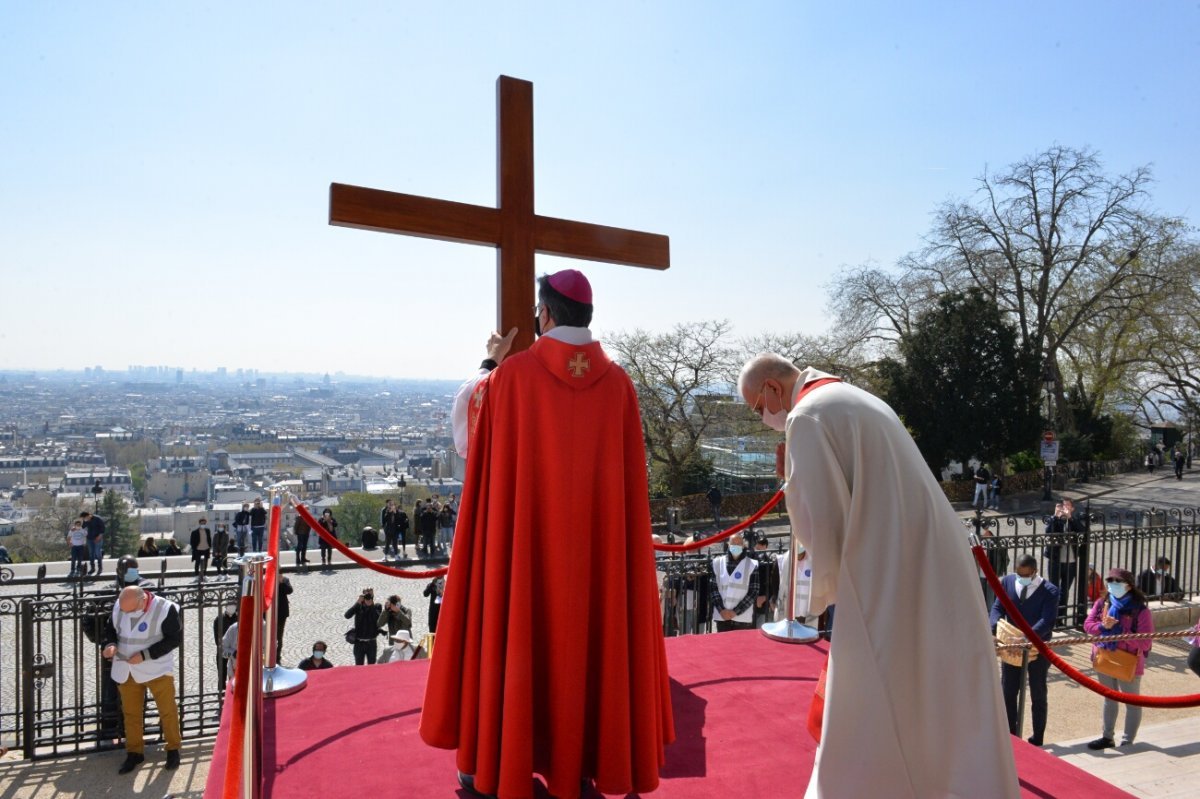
(766, 366)
(131, 599)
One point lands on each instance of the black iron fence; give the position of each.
(1077, 560)
(684, 589)
(56, 692)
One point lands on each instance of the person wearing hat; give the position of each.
(552, 589)
(1122, 611)
(402, 648)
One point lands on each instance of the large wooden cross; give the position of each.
(512, 228)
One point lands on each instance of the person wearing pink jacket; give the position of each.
(1122, 610)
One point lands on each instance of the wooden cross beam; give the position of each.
(512, 227)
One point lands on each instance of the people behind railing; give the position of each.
(733, 588)
(435, 590)
(1158, 582)
(330, 524)
(1120, 663)
(77, 540)
(768, 581)
(316, 661)
(1063, 553)
(226, 619)
(141, 637)
(283, 610)
(201, 543)
(1037, 600)
(220, 549)
(362, 635)
(1193, 660)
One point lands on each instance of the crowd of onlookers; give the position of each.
(430, 530)
(370, 621)
(740, 588)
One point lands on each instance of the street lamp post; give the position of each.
(1048, 383)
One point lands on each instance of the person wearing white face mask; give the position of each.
(141, 638)
(885, 545)
(1037, 599)
(1122, 611)
(1159, 582)
(733, 587)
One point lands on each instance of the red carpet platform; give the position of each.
(740, 707)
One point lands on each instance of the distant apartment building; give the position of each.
(173, 486)
(21, 469)
(83, 483)
(259, 462)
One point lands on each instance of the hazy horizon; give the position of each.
(168, 165)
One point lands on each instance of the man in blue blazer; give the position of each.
(1037, 599)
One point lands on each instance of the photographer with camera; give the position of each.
(435, 589)
(366, 626)
(1064, 554)
(395, 616)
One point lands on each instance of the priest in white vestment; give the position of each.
(912, 698)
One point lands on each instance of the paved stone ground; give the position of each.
(1163, 764)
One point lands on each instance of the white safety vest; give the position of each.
(803, 585)
(138, 634)
(733, 587)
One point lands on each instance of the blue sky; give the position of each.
(166, 166)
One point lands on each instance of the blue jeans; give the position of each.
(96, 552)
(980, 493)
(256, 538)
(79, 554)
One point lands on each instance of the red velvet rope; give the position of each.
(241, 691)
(721, 536)
(1066, 668)
(273, 551)
(359, 559)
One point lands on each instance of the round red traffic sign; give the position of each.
(1048, 436)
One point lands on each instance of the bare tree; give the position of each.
(1168, 375)
(678, 375)
(45, 536)
(1071, 254)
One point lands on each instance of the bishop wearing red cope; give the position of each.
(550, 656)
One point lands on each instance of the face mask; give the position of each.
(800, 550)
(1118, 590)
(776, 420)
(735, 550)
(131, 575)
(1024, 582)
(318, 654)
